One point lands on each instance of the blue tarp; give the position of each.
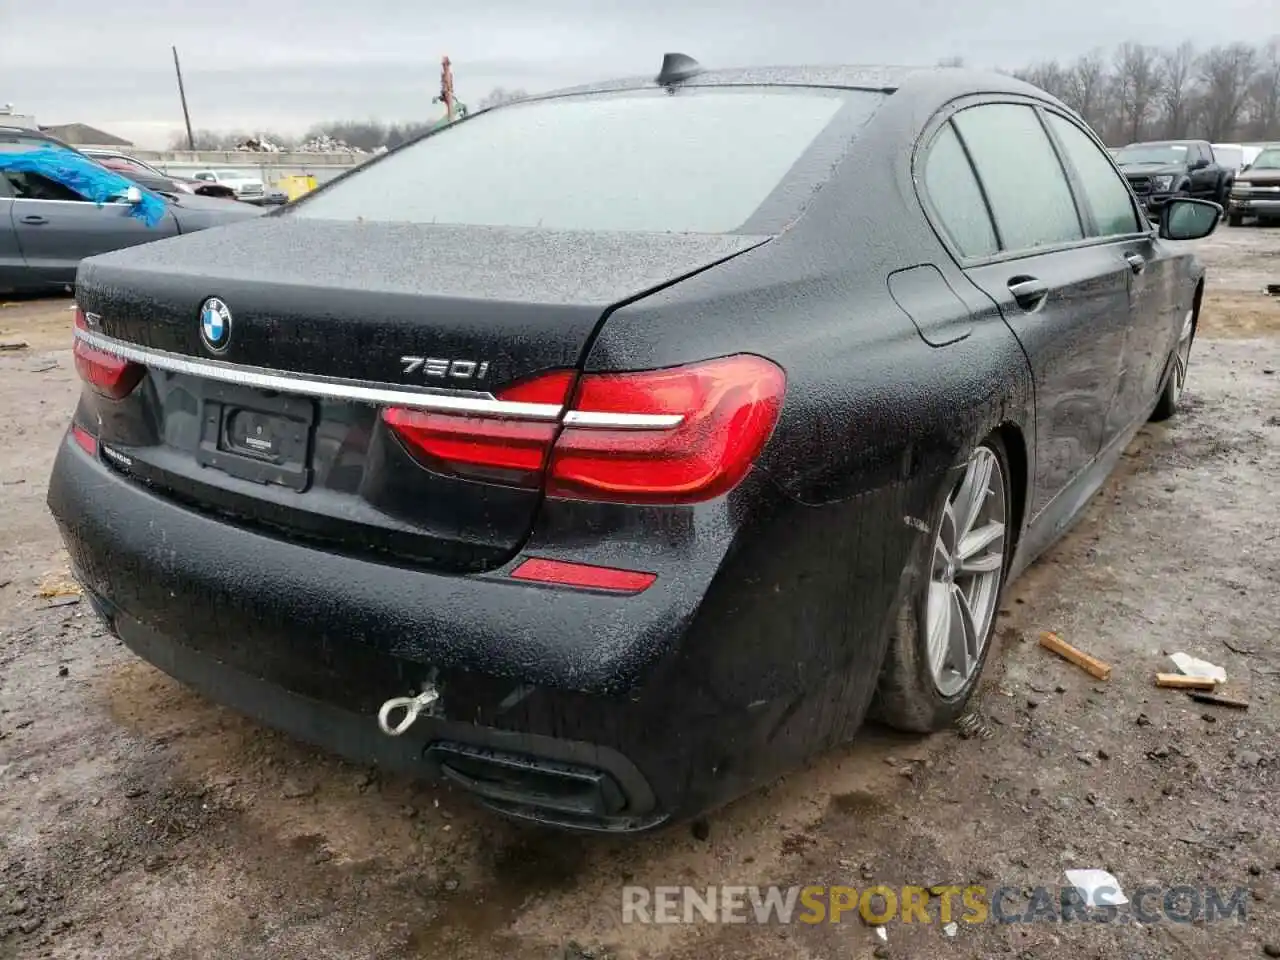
(77, 172)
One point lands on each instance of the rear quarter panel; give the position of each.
(869, 403)
(873, 425)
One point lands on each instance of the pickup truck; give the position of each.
(247, 187)
(1256, 191)
(1161, 170)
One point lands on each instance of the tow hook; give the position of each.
(412, 706)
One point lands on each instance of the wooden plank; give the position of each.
(1090, 665)
(1219, 700)
(1179, 681)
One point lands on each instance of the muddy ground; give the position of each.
(139, 820)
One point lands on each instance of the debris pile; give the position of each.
(259, 145)
(323, 143)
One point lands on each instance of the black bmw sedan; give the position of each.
(611, 452)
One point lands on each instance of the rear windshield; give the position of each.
(1153, 153)
(704, 160)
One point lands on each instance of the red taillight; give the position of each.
(502, 450)
(677, 435)
(668, 436)
(588, 576)
(107, 374)
(480, 448)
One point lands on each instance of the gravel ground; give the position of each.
(139, 820)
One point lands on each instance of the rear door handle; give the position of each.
(34, 220)
(1137, 262)
(1028, 292)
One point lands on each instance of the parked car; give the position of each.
(611, 483)
(47, 227)
(154, 179)
(1163, 170)
(274, 197)
(1256, 191)
(246, 187)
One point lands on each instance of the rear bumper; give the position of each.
(1252, 207)
(566, 783)
(627, 711)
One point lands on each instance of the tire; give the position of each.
(1235, 219)
(1175, 383)
(920, 691)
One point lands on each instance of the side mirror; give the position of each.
(133, 196)
(1244, 167)
(1187, 219)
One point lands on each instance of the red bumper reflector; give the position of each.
(87, 441)
(564, 574)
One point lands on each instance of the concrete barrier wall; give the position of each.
(271, 167)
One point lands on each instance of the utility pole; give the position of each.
(182, 93)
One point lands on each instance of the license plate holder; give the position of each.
(256, 435)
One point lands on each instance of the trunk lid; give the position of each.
(343, 311)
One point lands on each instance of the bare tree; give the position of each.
(1226, 74)
(364, 134)
(1177, 68)
(1227, 93)
(498, 96)
(1048, 76)
(1136, 83)
(1086, 88)
(1264, 93)
(213, 139)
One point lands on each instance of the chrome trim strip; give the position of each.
(623, 421)
(484, 405)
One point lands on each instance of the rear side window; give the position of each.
(1104, 189)
(953, 191)
(701, 161)
(1030, 198)
(32, 186)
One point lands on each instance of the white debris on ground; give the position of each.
(327, 144)
(1098, 887)
(322, 143)
(1195, 667)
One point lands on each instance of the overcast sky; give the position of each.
(285, 64)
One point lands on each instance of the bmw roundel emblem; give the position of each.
(215, 324)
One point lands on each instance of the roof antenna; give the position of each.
(676, 68)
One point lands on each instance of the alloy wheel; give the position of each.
(967, 569)
(1182, 356)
